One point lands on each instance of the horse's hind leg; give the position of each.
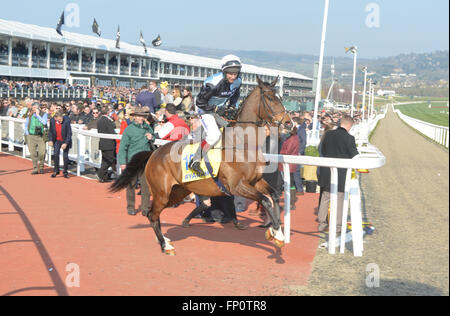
(203, 207)
(263, 187)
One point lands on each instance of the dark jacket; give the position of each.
(158, 98)
(290, 148)
(105, 125)
(146, 98)
(337, 144)
(75, 118)
(301, 132)
(217, 91)
(86, 118)
(66, 131)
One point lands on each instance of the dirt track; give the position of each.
(408, 202)
(47, 225)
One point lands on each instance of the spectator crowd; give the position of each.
(162, 112)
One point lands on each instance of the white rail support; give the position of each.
(333, 211)
(356, 218)
(287, 203)
(345, 209)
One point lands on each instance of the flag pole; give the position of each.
(315, 134)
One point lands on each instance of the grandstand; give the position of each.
(34, 52)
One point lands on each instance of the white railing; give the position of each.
(370, 158)
(361, 131)
(11, 134)
(85, 152)
(85, 144)
(439, 134)
(44, 93)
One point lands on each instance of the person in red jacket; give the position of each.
(291, 147)
(175, 128)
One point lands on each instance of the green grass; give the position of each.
(312, 151)
(421, 111)
(381, 101)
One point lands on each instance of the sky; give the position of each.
(379, 28)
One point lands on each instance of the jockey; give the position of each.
(219, 92)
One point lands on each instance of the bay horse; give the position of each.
(164, 176)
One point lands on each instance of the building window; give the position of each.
(175, 69)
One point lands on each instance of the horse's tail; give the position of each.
(134, 168)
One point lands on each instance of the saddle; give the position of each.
(214, 157)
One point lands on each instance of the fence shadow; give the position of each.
(58, 283)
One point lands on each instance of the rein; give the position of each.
(267, 108)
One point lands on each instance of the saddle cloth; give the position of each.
(214, 156)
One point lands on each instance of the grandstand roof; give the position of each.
(39, 33)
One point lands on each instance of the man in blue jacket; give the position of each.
(146, 98)
(60, 136)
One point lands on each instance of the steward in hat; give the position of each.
(136, 138)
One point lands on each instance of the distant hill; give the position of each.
(429, 67)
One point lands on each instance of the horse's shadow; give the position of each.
(251, 237)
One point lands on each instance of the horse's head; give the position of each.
(271, 109)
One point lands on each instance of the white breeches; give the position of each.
(212, 131)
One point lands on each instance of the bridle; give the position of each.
(268, 111)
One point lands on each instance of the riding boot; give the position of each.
(195, 164)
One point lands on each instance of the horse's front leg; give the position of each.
(275, 232)
(155, 222)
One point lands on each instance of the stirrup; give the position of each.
(195, 167)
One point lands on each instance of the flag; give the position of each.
(142, 40)
(157, 42)
(118, 38)
(60, 24)
(352, 49)
(96, 28)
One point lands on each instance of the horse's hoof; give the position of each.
(269, 235)
(279, 243)
(170, 252)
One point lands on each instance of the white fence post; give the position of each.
(287, 203)
(357, 224)
(345, 209)
(11, 136)
(333, 211)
